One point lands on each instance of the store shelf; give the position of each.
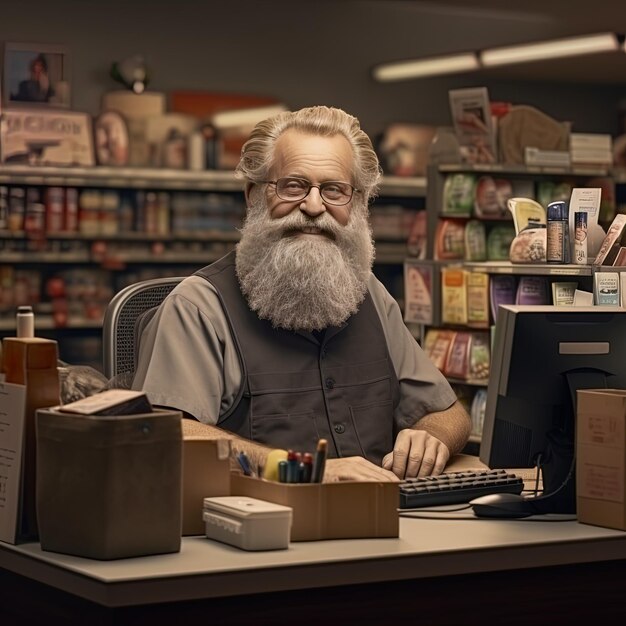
(162, 178)
(523, 170)
(403, 186)
(528, 269)
(45, 322)
(121, 177)
(204, 235)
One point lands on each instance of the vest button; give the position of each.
(340, 428)
(330, 383)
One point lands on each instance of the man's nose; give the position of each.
(313, 204)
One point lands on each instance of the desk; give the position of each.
(438, 570)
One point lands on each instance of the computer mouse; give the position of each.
(502, 505)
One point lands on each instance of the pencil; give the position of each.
(320, 461)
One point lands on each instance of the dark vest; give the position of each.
(297, 389)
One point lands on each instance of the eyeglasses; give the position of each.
(295, 189)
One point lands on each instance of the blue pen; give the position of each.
(244, 461)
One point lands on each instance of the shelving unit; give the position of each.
(113, 259)
(432, 267)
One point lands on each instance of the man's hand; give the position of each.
(416, 453)
(355, 468)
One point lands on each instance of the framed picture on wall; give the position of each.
(36, 75)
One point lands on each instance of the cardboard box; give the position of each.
(31, 361)
(600, 457)
(109, 487)
(206, 473)
(341, 510)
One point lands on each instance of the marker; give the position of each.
(292, 466)
(282, 471)
(306, 468)
(320, 461)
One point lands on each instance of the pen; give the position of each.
(292, 466)
(306, 468)
(319, 462)
(244, 461)
(282, 471)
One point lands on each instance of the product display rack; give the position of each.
(96, 261)
(436, 178)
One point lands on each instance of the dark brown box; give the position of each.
(109, 487)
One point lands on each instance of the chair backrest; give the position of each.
(120, 336)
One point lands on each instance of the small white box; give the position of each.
(247, 523)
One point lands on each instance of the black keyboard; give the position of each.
(456, 487)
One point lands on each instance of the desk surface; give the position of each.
(425, 548)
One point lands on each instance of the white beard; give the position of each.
(304, 283)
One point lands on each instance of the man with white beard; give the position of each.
(291, 338)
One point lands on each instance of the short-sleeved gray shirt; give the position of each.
(188, 360)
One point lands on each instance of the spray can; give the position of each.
(580, 238)
(557, 232)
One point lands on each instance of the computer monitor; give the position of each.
(541, 356)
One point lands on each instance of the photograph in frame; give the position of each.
(35, 75)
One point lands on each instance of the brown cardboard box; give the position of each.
(600, 457)
(109, 487)
(206, 473)
(342, 510)
(31, 361)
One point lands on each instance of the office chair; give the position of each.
(123, 322)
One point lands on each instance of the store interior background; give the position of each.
(307, 52)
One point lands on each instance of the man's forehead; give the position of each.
(295, 148)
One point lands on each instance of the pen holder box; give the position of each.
(341, 510)
(109, 487)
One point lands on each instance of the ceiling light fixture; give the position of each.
(432, 66)
(557, 48)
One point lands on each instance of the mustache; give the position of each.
(294, 222)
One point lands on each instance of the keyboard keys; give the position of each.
(456, 487)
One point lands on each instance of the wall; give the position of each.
(305, 52)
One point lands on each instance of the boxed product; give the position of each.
(109, 486)
(32, 362)
(341, 510)
(601, 457)
(453, 295)
(247, 523)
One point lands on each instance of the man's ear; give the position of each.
(248, 191)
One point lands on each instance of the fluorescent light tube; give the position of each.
(246, 116)
(570, 46)
(432, 66)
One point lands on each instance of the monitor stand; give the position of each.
(559, 468)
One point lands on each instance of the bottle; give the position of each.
(25, 321)
(580, 238)
(196, 151)
(557, 229)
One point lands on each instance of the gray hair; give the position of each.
(258, 152)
